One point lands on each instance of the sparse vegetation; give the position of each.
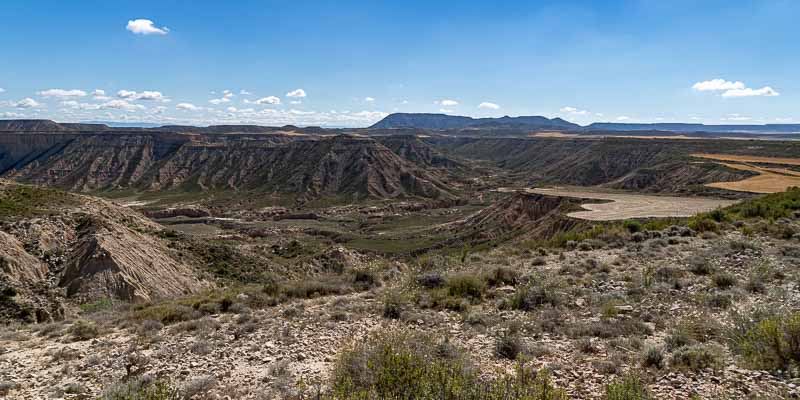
(767, 342)
(629, 387)
(403, 365)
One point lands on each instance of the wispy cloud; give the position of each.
(187, 107)
(573, 111)
(369, 99)
(446, 102)
(489, 106)
(747, 92)
(62, 93)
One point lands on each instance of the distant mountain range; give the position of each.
(411, 121)
(680, 127)
(443, 121)
(118, 124)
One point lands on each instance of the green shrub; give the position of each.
(466, 286)
(653, 357)
(535, 294)
(402, 365)
(678, 338)
(393, 305)
(724, 280)
(721, 300)
(632, 225)
(84, 330)
(718, 215)
(509, 345)
(704, 224)
(771, 343)
(630, 387)
(699, 265)
(99, 305)
(431, 280)
(365, 280)
(500, 276)
(697, 357)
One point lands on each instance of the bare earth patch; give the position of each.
(625, 206)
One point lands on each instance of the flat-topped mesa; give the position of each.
(442, 121)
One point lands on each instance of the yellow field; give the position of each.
(769, 180)
(753, 159)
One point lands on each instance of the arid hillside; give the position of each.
(59, 246)
(345, 166)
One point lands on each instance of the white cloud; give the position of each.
(369, 99)
(296, 93)
(109, 105)
(99, 94)
(27, 103)
(145, 95)
(62, 94)
(717, 84)
(226, 97)
(145, 27)
(623, 118)
(244, 92)
(120, 105)
(2, 90)
(733, 89)
(747, 92)
(231, 109)
(446, 103)
(573, 111)
(295, 102)
(489, 106)
(267, 100)
(445, 110)
(10, 115)
(187, 107)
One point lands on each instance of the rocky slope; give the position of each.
(85, 248)
(650, 165)
(340, 166)
(520, 214)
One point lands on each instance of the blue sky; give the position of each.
(356, 61)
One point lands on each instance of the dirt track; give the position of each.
(624, 205)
